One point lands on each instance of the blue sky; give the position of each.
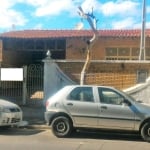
(63, 14)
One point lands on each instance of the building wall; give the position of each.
(16, 58)
(76, 47)
(122, 74)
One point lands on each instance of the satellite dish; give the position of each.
(79, 26)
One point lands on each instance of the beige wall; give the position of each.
(121, 74)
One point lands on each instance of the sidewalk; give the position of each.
(34, 116)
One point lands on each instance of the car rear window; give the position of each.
(81, 94)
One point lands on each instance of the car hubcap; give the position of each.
(61, 127)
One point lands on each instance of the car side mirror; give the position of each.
(139, 101)
(127, 103)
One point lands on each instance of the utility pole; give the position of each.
(142, 43)
(92, 22)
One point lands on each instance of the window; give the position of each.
(29, 45)
(111, 51)
(147, 53)
(39, 45)
(57, 48)
(135, 52)
(81, 94)
(141, 76)
(124, 52)
(61, 45)
(121, 53)
(109, 96)
(51, 45)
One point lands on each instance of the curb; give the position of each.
(36, 124)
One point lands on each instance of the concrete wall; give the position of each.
(119, 74)
(141, 92)
(54, 78)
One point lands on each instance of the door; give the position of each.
(82, 107)
(114, 113)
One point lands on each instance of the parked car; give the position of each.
(98, 107)
(10, 114)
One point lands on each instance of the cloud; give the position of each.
(50, 7)
(148, 25)
(10, 17)
(38, 26)
(87, 5)
(122, 24)
(119, 14)
(148, 9)
(112, 14)
(120, 8)
(122, 14)
(53, 8)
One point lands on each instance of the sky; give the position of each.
(63, 14)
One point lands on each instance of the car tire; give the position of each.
(61, 126)
(145, 131)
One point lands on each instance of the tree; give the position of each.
(92, 22)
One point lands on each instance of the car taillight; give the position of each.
(47, 103)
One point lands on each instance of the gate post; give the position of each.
(24, 96)
(50, 78)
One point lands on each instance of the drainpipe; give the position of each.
(92, 21)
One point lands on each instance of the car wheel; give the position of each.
(145, 131)
(61, 126)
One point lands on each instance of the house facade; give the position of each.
(30, 46)
(114, 56)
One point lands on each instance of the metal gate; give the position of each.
(11, 91)
(28, 91)
(34, 84)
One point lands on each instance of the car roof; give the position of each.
(77, 85)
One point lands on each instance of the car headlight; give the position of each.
(1, 109)
(4, 109)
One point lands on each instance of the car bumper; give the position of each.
(49, 116)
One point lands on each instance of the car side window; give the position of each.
(108, 96)
(84, 94)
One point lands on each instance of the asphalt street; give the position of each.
(42, 139)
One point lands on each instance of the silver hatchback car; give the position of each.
(98, 107)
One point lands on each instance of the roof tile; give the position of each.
(71, 33)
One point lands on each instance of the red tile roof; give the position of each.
(71, 33)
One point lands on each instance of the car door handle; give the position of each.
(104, 107)
(69, 104)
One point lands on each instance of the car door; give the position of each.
(82, 107)
(113, 112)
